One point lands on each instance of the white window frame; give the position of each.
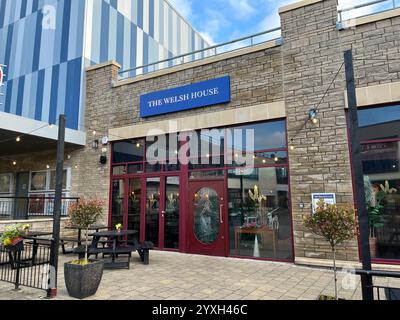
(48, 193)
(47, 189)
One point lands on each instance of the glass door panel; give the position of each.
(134, 205)
(117, 202)
(171, 213)
(152, 210)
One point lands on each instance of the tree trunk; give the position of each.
(335, 272)
(87, 245)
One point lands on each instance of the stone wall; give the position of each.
(312, 54)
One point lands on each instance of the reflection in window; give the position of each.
(206, 215)
(38, 181)
(382, 184)
(53, 180)
(152, 210)
(117, 202)
(381, 160)
(259, 215)
(134, 206)
(269, 135)
(379, 123)
(128, 151)
(171, 218)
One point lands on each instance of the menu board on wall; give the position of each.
(329, 198)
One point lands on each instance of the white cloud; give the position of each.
(184, 7)
(242, 8)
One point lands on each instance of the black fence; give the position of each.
(28, 265)
(382, 292)
(23, 208)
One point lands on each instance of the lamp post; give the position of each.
(57, 203)
(366, 280)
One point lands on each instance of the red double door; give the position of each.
(153, 207)
(207, 221)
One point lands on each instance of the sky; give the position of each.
(223, 20)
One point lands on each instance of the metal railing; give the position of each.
(28, 265)
(382, 292)
(365, 9)
(249, 41)
(23, 208)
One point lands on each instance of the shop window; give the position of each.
(259, 215)
(128, 151)
(379, 123)
(39, 181)
(380, 131)
(53, 180)
(269, 135)
(5, 183)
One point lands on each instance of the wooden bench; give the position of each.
(122, 250)
(66, 240)
(144, 250)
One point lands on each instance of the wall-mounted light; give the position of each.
(95, 144)
(312, 115)
(18, 139)
(14, 163)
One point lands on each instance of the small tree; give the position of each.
(335, 224)
(83, 214)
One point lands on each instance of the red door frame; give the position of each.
(183, 174)
(218, 248)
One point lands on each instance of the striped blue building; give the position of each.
(47, 44)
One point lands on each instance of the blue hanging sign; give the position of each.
(188, 97)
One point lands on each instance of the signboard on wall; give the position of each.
(188, 97)
(329, 198)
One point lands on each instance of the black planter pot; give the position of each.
(83, 281)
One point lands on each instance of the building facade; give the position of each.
(231, 208)
(47, 44)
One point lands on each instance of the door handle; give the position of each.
(220, 213)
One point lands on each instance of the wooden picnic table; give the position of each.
(95, 227)
(113, 249)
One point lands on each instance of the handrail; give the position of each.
(365, 5)
(205, 50)
(377, 273)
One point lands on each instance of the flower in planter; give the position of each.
(118, 227)
(11, 235)
(26, 227)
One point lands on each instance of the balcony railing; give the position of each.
(365, 9)
(249, 41)
(24, 208)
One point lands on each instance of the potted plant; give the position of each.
(336, 225)
(258, 199)
(82, 277)
(12, 239)
(375, 198)
(118, 227)
(25, 228)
